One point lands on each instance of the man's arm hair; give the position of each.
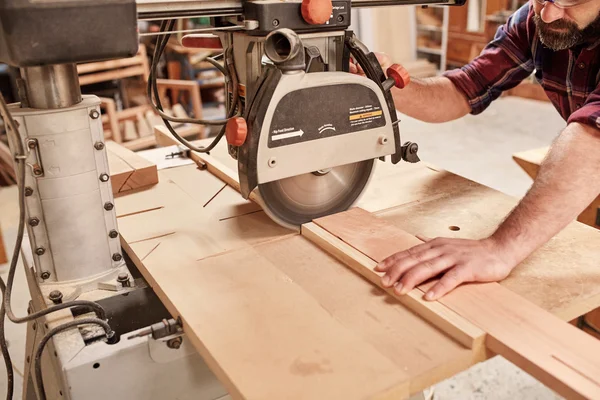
(568, 181)
(431, 100)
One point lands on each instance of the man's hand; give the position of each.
(384, 61)
(460, 260)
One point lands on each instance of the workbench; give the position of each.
(274, 316)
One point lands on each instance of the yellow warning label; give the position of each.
(365, 115)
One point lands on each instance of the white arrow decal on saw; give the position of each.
(288, 135)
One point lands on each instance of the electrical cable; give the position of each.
(61, 328)
(230, 76)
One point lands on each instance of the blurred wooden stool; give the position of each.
(133, 126)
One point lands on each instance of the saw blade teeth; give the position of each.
(294, 201)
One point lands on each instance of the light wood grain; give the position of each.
(445, 319)
(129, 171)
(556, 353)
(261, 333)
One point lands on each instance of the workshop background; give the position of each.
(441, 38)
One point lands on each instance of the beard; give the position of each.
(562, 34)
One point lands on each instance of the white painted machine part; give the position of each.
(73, 207)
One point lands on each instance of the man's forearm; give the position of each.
(431, 100)
(568, 181)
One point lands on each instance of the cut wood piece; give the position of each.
(555, 352)
(267, 338)
(129, 171)
(558, 354)
(445, 319)
(530, 160)
(367, 233)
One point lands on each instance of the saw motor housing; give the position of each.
(304, 112)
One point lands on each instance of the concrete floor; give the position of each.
(477, 147)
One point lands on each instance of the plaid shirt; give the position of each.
(570, 77)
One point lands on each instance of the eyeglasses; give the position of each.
(563, 3)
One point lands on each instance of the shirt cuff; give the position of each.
(588, 115)
(463, 82)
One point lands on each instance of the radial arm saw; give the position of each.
(305, 133)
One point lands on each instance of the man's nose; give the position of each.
(551, 13)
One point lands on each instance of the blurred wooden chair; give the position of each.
(133, 127)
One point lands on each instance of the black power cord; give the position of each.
(231, 79)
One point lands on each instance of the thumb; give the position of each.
(353, 69)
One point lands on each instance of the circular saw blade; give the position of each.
(294, 201)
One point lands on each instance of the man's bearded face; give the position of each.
(563, 34)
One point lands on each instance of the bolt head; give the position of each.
(32, 144)
(28, 191)
(340, 18)
(40, 251)
(174, 343)
(56, 296)
(99, 146)
(124, 276)
(275, 22)
(94, 114)
(34, 221)
(45, 275)
(113, 234)
(383, 139)
(37, 171)
(104, 178)
(108, 206)
(117, 257)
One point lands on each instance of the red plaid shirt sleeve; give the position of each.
(589, 113)
(502, 65)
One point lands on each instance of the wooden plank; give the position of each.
(417, 347)
(556, 353)
(445, 319)
(431, 201)
(267, 338)
(183, 212)
(129, 171)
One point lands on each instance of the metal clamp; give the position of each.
(161, 329)
(33, 145)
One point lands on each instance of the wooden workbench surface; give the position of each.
(263, 304)
(274, 316)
